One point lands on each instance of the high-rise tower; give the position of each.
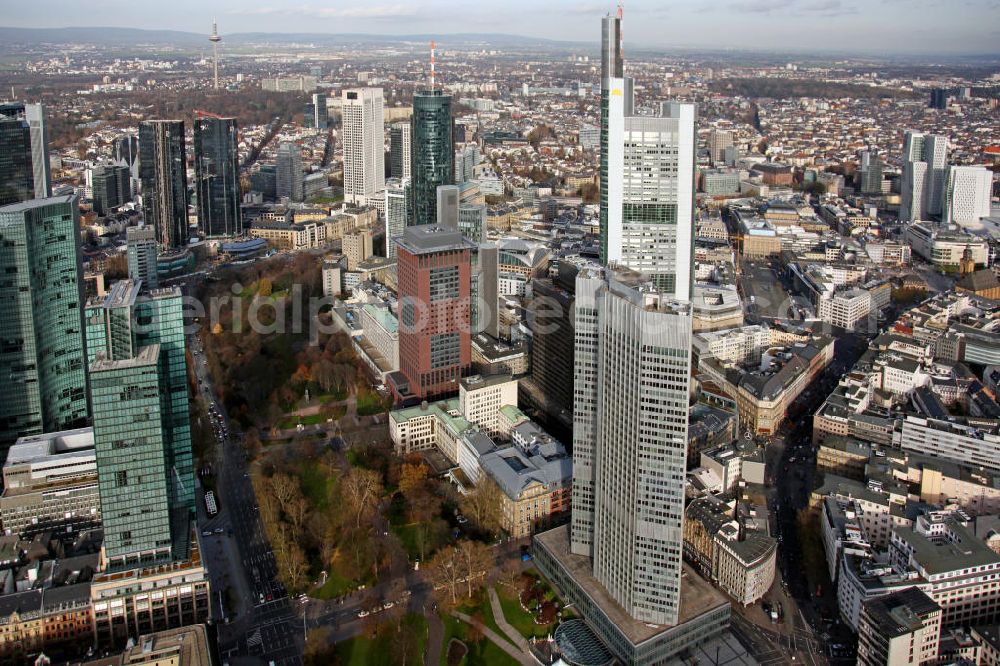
(364, 143)
(215, 39)
(217, 176)
(432, 158)
(399, 150)
(163, 177)
(42, 361)
(925, 159)
(24, 153)
(288, 177)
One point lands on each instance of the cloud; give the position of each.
(760, 6)
(379, 12)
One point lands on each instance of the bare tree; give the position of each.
(476, 561)
(444, 572)
(362, 489)
(484, 506)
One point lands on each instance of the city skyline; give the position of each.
(888, 26)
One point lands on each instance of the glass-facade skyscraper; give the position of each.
(24, 153)
(42, 361)
(399, 150)
(121, 327)
(163, 177)
(432, 154)
(217, 176)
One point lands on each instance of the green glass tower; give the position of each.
(217, 176)
(132, 468)
(432, 160)
(120, 326)
(163, 178)
(43, 381)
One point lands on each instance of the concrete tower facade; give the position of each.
(364, 143)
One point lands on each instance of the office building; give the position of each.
(140, 247)
(472, 221)
(718, 141)
(42, 361)
(364, 143)
(111, 187)
(24, 153)
(288, 178)
(899, 628)
(870, 173)
(399, 150)
(163, 179)
(126, 320)
(131, 458)
(466, 160)
(447, 206)
(265, 181)
(434, 272)
(321, 115)
(50, 483)
(630, 336)
(922, 184)
(480, 399)
(431, 153)
(967, 194)
(396, 212)
(357, 248)
(217, 176)
(550, 318)
(647, 184)
(125, 152)
(939, 99)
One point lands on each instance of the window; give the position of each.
(443, 283)
(121, 478)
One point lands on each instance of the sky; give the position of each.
(868, 26)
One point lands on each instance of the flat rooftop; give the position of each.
(698, 596)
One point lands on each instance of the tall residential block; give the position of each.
(163, 179)
(140, 248)
(217, 176)
(399, 150)
(631, 395)
(434, 274)
(24, 153)
(42, 361)
(288, 178)
(968, 190)
(432, 154)
(922, 184)
(364, 143)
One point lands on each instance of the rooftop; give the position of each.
(698, 596)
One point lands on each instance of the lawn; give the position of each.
(480, 603)
(365, 651)
(370, 402)
(316, 485)
(481, 653)
(520, 620)
(409, 537)
(335, 586)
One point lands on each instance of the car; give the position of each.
(387, 605)
(207, 533)
(461, 519)
(362, 613)
(219, 530)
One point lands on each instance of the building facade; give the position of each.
(431, 153)
(217, 176)
(24, 153)
(399, 150)
(364, 143)
(163, 179)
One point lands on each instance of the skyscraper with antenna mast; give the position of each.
(432, 157)
(215, 39)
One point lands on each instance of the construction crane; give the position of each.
(198, 113)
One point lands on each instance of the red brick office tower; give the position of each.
(433, 266)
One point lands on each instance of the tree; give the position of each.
(476, 561)
(264, 287)
(285, 488)
(509, 571)
(444, 572)
(251, 443)
(412, 478)
(362, 489)
(484, 506)
(325, 373)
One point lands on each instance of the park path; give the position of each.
(435, 634)
(513, 634)
(500, 642)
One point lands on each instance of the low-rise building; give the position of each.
(290, 236)
(481, 397)
(899, 628)
(50, 481)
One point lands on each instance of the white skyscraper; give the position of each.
(633, 354)
(647, 181)
(364, 143)
(967, 194)
(632, 372)
(922, 186)
(399, 150)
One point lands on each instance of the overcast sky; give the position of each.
(871, 26)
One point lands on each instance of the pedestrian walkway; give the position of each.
(513, 634)
(435, 634)
(501, 643)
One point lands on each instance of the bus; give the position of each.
(210, 503)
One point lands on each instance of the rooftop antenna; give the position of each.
(215, 39)
(432, 66)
